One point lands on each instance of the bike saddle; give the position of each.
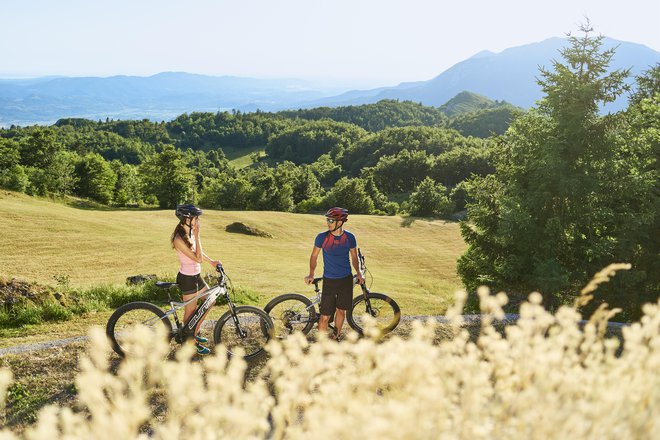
(316, 280)
(164, 285)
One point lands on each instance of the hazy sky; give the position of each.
(368, 42)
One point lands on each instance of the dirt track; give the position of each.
(470, 320)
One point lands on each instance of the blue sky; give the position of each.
(361, 42)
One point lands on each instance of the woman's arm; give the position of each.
(198, 241)
(211, 261)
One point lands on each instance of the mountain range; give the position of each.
(509, 76)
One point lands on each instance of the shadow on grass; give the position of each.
(90, 205)
(408, 221)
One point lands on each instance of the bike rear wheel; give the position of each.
(291, 312)
(123, 321)
(251, 331)
(384, 310)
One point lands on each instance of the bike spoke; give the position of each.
(288, 317)
(251, 333)
(126, 324)
(380, 310)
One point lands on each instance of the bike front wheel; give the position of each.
(123, 321)
(380, 307)
(248, 327)
(291, 312)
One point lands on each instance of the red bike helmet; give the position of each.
(339, 214)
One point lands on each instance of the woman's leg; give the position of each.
(191, 307)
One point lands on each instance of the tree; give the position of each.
(226, 193)
(401, 173)
(267, 193)
(15, 178)
(305, 143)
(168, 178)
(553, 213)
(61, 176)
(39, 147)
(127, 189)
(430, 200)
(10, 154)
(96, 178)
(352, 195)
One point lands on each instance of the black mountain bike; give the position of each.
(247, 327)
(293, 311)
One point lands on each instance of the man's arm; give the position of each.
(356, 265)
(312, 264)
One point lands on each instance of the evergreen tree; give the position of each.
(552, 214)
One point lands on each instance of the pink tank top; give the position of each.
(188, 266)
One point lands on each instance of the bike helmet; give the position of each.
(187, 211)
(339, 214)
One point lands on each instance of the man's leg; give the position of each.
(344, 301)
(323, 323)
(340, 317)
(328, 303)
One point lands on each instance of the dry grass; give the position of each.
(414, 261)
(40, 378)
(544, 377)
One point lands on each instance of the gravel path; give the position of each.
(469, 319)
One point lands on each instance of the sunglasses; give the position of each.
(330, 220)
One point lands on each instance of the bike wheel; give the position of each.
(126, 317)
(291, 312)
(251, 330)
(383, 308)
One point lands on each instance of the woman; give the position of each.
(188, 246)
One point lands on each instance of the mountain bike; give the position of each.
(293, 311)
(247, 327)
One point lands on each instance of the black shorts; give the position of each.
(336, 294)
(190, 283)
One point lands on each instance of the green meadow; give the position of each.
(412, 259)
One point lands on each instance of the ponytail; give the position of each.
(181, 232)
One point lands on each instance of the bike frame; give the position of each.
(183, 332)
(365, 291)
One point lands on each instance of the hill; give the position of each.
(467, 102)
(414, 260)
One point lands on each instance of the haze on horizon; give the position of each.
(356, 42)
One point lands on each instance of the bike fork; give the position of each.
(367, 302)
(239, 331)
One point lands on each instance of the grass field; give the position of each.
(413, 260)
(240, 157)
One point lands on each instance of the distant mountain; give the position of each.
(161, 96)
(506, 76)
(509, 75)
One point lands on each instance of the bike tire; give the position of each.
(252, 320)
(124, 317)
(291, 312)
(387, 312)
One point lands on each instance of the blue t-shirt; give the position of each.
(336, 262)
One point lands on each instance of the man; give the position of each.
(337, 244)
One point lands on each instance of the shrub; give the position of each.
(54, 311)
